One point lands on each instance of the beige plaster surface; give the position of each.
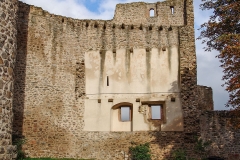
(136, 72)
(148, 75)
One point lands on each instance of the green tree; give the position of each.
(221, 33)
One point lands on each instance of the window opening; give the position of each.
(125, 114)
(107, 81)
(151, 13)
(156, 111)
(172, 9)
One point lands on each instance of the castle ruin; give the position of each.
(90, 88)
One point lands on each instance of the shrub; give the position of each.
(19, 141)
(201, 146)
(179, 154)
(140, 152)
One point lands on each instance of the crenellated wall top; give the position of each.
(166, 13)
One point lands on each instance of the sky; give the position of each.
(208, 70)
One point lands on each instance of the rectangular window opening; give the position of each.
(125, 114)
(156, 111)
(107, 81)
(172, 9)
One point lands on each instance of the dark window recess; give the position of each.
(107, 81)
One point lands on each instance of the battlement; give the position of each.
(167, 13)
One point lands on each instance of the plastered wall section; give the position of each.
(125, 76)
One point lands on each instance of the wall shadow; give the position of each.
(170, 142)
(216, 126)
(20, 68)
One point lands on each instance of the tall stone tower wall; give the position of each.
(8, 51)
(70, 77)
(52, 107)
(188, 70)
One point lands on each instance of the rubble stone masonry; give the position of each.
(8, 47)
(49, 90)
(217, 128)
(205, 98)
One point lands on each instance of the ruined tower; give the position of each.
(8, 51)
(93, 88)
(89, 88)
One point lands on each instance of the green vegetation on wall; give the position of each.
(140, 152)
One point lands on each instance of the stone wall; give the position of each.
(8, 53)
(205, 98)
(49, 91)
(138, 13)
(49, 100)
(20, 68)
(188, 73)
(216, 127)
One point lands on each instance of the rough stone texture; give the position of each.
(138, 13)
(8, 47)
(49, 89)
(215, 127)
(188, 72)
(205, 98)
(20, 68)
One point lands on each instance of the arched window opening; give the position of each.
(124, 110)
(122, 117)
(152, 12)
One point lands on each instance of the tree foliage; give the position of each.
(222, 33)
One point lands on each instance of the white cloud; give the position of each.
(76, 8)
(68, 8)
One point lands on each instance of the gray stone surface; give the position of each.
(8, 51)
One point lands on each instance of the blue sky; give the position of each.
(209, 72)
